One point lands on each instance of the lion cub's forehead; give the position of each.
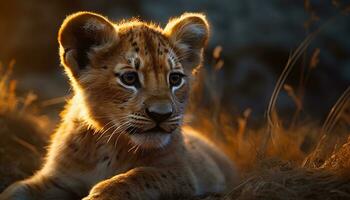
(145, 48)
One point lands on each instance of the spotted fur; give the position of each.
(103, 148)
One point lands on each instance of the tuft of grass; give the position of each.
(8, 100)
(21, 131)
(320, 151)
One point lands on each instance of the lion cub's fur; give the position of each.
(102, 149)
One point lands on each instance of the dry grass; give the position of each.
(299, 161)
(302, 160)
(21, 131)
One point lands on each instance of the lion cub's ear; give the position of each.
(80, 35)
(189, 33)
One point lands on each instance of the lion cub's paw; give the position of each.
(108, 190)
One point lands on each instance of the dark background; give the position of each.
(256, 36)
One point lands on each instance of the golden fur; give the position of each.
(103, 148)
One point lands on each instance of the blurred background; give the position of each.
(255, 39)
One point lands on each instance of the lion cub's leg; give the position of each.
(38, 187)
(144, 183)
(17, 190)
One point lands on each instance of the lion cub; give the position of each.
(120, 135)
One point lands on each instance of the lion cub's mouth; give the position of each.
(155, 130)
(155, 137)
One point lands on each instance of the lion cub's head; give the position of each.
(133, 77)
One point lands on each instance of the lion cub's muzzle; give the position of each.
(159, 111)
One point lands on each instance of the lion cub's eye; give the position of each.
(130, 78)
(175, 79)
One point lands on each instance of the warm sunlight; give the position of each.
(198, 100)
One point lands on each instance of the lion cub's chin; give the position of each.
(151, 140)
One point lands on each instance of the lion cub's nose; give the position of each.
(159, 112)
